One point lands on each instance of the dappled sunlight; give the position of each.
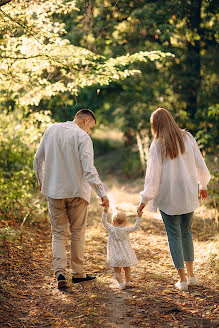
(101, 304)
(113, 135)
(122, 198)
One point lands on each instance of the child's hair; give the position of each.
(119, 217)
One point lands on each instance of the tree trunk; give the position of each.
(193, 60)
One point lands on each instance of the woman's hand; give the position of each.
(140, 209)
(203, 194)
(139, 213)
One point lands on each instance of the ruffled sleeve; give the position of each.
(106, 224)
(153, 174)
(203, 175)
(135, 226)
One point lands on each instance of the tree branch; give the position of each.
(23, 26)
(24, 57)
(4, 2)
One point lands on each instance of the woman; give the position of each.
(174, 169)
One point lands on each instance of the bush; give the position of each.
(101, 146)
(131, 164)
(19, 138)
(207, 134)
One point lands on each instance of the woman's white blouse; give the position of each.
(119, 250)
(172, 185)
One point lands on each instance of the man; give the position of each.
(64, 166)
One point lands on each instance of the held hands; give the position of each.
(203, 194)
(139, 214)
(140, 209)
(105, 203)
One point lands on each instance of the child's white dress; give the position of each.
(119, 250)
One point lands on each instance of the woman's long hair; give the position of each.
(164, 128)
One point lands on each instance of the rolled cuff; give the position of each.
(203, 187)
(144, 200)
(99, 189)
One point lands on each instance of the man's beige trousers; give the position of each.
(65, 214)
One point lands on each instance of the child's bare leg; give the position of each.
(118, 276)
(127, 274)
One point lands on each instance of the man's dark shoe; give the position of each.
(87, 278)
(61, 282)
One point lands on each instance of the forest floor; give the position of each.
(29, 296)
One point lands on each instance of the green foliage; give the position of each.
(9, 234)
(214, 185)
(38, 61)
(187, 83)
(66, 55)
(19, 137)
(131, 164)
(101, 146)
(207, 134)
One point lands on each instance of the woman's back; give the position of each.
(172, 184)
(178, 183)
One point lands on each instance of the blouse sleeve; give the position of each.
(153, 174)
(135, 226)
(106, 224)
(203, 175)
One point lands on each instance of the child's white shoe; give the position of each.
(121, 285)
(183, 286)
(192, 281)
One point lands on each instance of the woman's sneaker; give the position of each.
(121, 285)
(128, 284)
(183, 286)
(192, 281)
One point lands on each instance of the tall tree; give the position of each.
(186, 28)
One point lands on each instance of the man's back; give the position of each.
(65, 147)
(64, 166)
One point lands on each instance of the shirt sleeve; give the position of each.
(203, 175)
(135, 226)
(153, 175)
(106, 224)
(86, 154)
(39, 158)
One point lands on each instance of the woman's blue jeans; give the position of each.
(178, 229)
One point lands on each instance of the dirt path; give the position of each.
(29, 297)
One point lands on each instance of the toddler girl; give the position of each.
(120, 253)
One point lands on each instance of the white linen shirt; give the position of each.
(172, 185)
(64, 163)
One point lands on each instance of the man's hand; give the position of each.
(105, 201)
(140, 207)
(203, 194)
